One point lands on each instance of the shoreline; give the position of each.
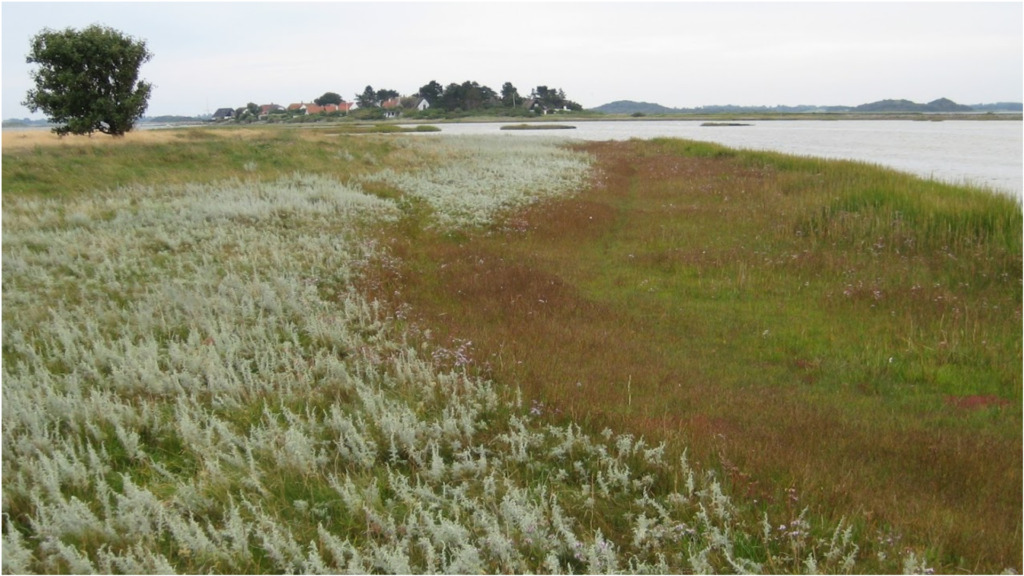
(584, 117)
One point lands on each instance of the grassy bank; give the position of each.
(286, 350)
(825, 332)
(38, 162)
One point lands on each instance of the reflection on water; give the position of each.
(985, 152)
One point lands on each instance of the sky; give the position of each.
(209, 55)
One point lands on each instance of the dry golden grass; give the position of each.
(14, 140)
(24, 139)
(38, 162)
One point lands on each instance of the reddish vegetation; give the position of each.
(976, 402)
(524, 294)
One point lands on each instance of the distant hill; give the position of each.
(940, 105)
(880, 107)
(631, 107)
(999, 107)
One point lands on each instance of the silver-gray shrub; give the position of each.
(485, 175)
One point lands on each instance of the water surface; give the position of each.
(985, 153)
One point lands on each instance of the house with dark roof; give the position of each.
(536, 106)
(223, 114)
(415, 103)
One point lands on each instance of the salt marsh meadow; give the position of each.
(291, 350)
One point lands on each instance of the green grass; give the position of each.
(198, 155)
(379, 129)
(803, 323)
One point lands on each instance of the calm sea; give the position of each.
(985, 153)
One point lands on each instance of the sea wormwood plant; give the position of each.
(192, 384)
(486, 175)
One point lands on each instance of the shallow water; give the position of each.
(985, 153)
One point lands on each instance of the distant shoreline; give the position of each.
(917, 116)
(17, 124)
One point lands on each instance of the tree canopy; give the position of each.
(370, 98)
(328, 98)
(384, 95)
(431, 92)
(510, 95)
(88, 80)
(469, 98)
(553, 98)
(367, 99)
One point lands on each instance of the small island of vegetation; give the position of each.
(537, 127)
(725, 124)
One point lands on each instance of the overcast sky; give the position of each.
(679, 54)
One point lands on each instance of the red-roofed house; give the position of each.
(344, 107)
(268, 108)
(392, 107)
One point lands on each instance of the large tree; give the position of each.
(431, 92)
(510, 95)
(328, 98)
(88, 80)
(469, 95)
(384, 94)
(550, 97)
(554, 98)
(368, 99)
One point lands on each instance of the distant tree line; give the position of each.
(454, 100)
(471, 97)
